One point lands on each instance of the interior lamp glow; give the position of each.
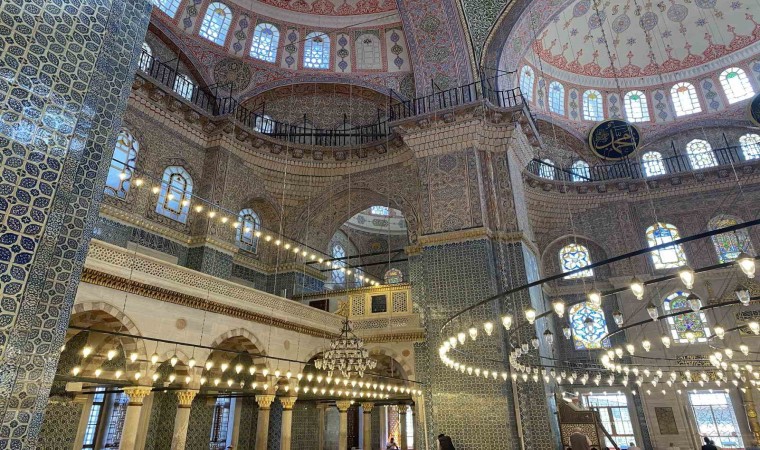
(617, 316)
(507, 322)
(530, 315)
(111, 354)
(173, 360)
(488, 327)
(652, 311)
(567, 332)
(473, 333)
(746, 264)
(191, 363)
(559, 307)
(686, 275)
(595, 297)
(461, 337)
(743, 295)
(754, 326)
(154, 358)
(666, 341)
(637, 288)
(720, 332)
(133, 356)
(694, 303)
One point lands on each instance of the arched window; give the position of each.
(652, 164)
(700, 154)
(729, 245)
(393, 276)
(666, 257)
(246, 233)
(573, 257)
(636, 108)
(216, 23)
(146, 57)
(122, 165)
(169, 7)
(685, 99)
(220, 422)
(680, 325)
(380, 210)
(546, 169)
(264, 124)
(339, 273)
(527, 81)
(592, 106)
(316, 51)
(750, 144)
(556, 98)
(183, 86)
(581, 171)
(736, 85)
(174, 196)
(266, 37)
(589, 325)
(368, 54)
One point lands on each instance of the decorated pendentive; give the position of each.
(754, 109)
(614, 139)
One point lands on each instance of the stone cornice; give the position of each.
(411, 336)
(471, 234)
(343, 292)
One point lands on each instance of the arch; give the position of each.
(652, 164)
(685, 100)
(729, 245)
(266, 38)
(546, 170)
(636, 107)
(527, 82)
(122, 165)
(750, 145)
(168, 7)
(667, 257)
(736, 85)
(393, 276)
(700, 154)
(175, 194)
(216, 23)
(102, 309)
(589, 325)
(557, 98)
(593, 108)
(400, 360)
(696, 322)
(581, 171)
(575, 256)
(248, 230)
(241, 336)
(368, 52)
(316, 50)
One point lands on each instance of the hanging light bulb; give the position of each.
(744, 349)
(98, 371)
(111, 354)
(209, 364)
(595, 297)
(461, 337)
(694, 303)
(191, 363)
(559, 307)
(652, 311)
(743, 295)
(188, 379)
(224, 366)
(172, 377)
(473, 333)
(631, 348)
(548, 337)
(666, 341)
(637, 288)
(686, 274)
(646, 344)
(117, 374)
(754, 326)
(488, 327)
(76, 370)
(173, 360)
(530, 315)
(133, 356)
(252, 370)
(720, 332)
(617, 316)
(691, 337)
(154, 377)
(746, 264)
(506, 321)
(729, 353)
(535, 342)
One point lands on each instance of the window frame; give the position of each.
(377, 53)
(580, 171)
(168, 7)
(213, 30)
(754, 152)
(257, 50)
(527, 83)
(127, 149)
(337, 276)
(184, 86)
(545, 171)
(163, 206)
(145, 61)
(654, 166)
(570, 248)
(310, 52)
(701, 154)
(700, 316)
(247, 240)
(619, 438)
(712, 404)
(638, 112)
(742, 240)
(680, 107)
(675, 234)
(580, 342)
(598, 106)
(747, 90)
(557, 98)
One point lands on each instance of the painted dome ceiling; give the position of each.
(324, 7)
(643, 39)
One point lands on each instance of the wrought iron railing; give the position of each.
(637, 169)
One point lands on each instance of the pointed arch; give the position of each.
(701, 155)
(316, 50)
(652, 164)
(736, 85)
(266, 38)
(667, 257)
(557, 98)
(592, 106)
(685, 100)
(122, 166)
(216, 23)
(636, 107)
(750, 145)
(574, 256)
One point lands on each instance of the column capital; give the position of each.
(137, 394)
(265, 401)
(402, 408)
(186, 397)
(288, 402)
(367, 407)
(343, 405)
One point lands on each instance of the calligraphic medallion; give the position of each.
(754, 109)
(614, 139)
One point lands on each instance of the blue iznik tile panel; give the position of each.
(275, 426)
(210, 261)
(305, 426)
(161, 423)
(248, 421)
(59, 431)
(199, 426)
(642, 419)
(66, 71)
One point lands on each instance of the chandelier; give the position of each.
(347, 354)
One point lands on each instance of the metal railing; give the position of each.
(637, 169)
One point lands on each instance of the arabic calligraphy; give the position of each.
(614, 139)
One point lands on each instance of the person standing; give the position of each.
(579, 440)
(709, 444)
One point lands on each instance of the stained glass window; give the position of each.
(714, 414)
(736, 85)
(527, 81)
(696, 322)
(587, 335)
(339, 274)
(636, 108)
(685, 99)
(652, 164)
(750, 144)
(556, 97)
(122, 165)
(174, 196)
(546, 170)
(616, 418)
(666, 257)
(592, 106)
(246, 232)
(316, 51)
(581, 171)
(575, 256)
(169, 7)
(729, 245)
(146, 57)
(265, 39)
(380, 210)
(393, 276)
(183, 86)
(368, 53)
(700, 154)
(216, 23)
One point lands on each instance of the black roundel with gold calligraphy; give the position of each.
(614, 139)
(754, 109)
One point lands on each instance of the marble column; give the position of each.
(182, 419)
(67, 74)
(402, 426)
(343, 406)
(136, 396)
(321, 408)
(749, 408)
(262, 425)
(367, 428)
(287, 422)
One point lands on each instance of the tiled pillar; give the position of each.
(367, 431)
(66, 75)
(749, 409)
(322, 407)
(136, 396)
(262, 425)
(287, 422)
(402, 444)
(182, 419)
(343, 406)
